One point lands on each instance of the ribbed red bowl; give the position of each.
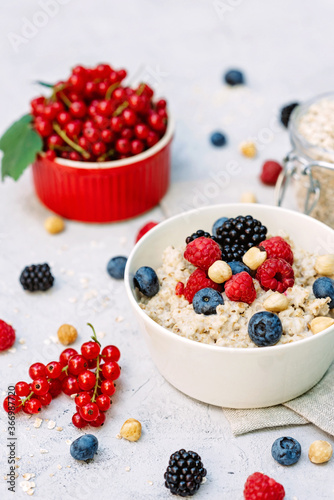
(109, 191)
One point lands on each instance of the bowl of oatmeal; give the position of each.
(212, 357)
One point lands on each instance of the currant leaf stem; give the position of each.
(69, 141)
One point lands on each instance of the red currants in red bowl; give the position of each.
(100, 149)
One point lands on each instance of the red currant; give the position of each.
(63, 118)
(119, 94)
(136, 102)
(53, 369)
(43, 127)
(73, 96)
(92, 110)
(86, 380)
(36, 102)
(70, 385)
(161, 104)
(88, 123)
(141, 131)
(107, 387)
(50, 155)
(90, 350)
(22, 389)
(49, 112)
(103, 402)
(73, 129)
(75, 156)
(78, 421)
(156, 122)
(102, 88)
(54, 140)
(129, 117)
(83, 398)
(78, 109)
(77, 82)
(90, 89)
(137, 147)
(102, 71)
(33, 406)
(91, 134)
(152, 138)
(84, 143)
(116, 123)
(12, 404)
(40, 386)
(37, 370)
(58, 106)
(89, 412)
(101, 121)
(99, 421)
(113, 77)
(147, 91)
(107, 136)
(121, 74)
(123, 146)
(92, 363)
(45, 399)
(127, 133)
(55, 387)
(111, 353)
(66, 355)
(77, 364)
(105, 108)
(111, 370)
(99, 148)
(79, 71)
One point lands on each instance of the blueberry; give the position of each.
(217, 224)
(238, 267)
(286, 112)
(116, 266)
(147, 281)
(286, 450)
(218, 139)
(206, 301)
(265, 328)
(85, 447)
(324, 287)
(234, 77)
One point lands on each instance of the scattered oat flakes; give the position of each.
(51, 424)
(68, 441)
(118, 436)
(5, 478)
(52, 474)
(68, 466)
(43, 451)
(150, 483)
(22, 341)
(24, 347)
(59, 466)
(30, 492)
(26, 475)
(70, 272)
(10, 365)
(3, 393)
(37, 423)
(123, 240)
(47, 341)
(27, 316)
(127, 469)
(59, 429)
(73, 300)
(12, 349)
(101, 335)
(15, 310)
(119, 319)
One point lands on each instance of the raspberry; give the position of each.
(202, 252)
(270, 172)
(240, 288)
(275, 274)
(261, 487)
(197, 281)
(145, 229)
(279, 248)
(7, 336)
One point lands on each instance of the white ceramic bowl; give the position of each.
(227, 376)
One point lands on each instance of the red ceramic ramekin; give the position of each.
(109, 191)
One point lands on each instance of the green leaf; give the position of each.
(20, 144)
(45, 84)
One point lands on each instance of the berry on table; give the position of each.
(36, 277)
(185, 473)
(286, 450)
(270, 172)
(111, 370)
(206, 301)
(90, 350)
(110, 353)
(55, 387)
(67, 334)
(53, 369)
(279, 248)
(22, 389)
(145, 229)
(146, 280)
(66, 355)
(240, 288)
(234, 77)
(265, 329)
(108, 387)
(286, 112)
(218, 139)
(45, 399)
(202, 252)
(324, 287)
(197, 281)
(85, 447)
(99, 421)
(70, 385)
(86, 380)
(218, 223)
(89, 411)
(77, 364)
(275, 274)
(37, 370)
(103, 402)
(40, 386)
(78, 421)
(12, 404)
(83, 398)
(261, 487)
(33, 406)
(7, 335)
(116, 267)
(237, 235)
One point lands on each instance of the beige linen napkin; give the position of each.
(315, 406)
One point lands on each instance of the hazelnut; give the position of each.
(254, 257)
(67, 334)
(220, 271)
(324, 265)
(248, 149)
(276, 302)
(54, 224)
(320, 452)
(131, 430)
(321, 323)
(248, 197)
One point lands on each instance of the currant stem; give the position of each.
(94, 334)
(69, 141)
(98, 369)
(23, 401)
(111, 152)
(120, 108)
(65, 99)
(111, 90)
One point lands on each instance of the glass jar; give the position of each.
(310, 164)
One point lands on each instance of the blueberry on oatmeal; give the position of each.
(206, 301)
(146, 280)
(265, 329)
(323, 288)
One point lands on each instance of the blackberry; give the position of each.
(184, 473)
(237, 235)
(36, 277)
(286, 112)
(199, 234)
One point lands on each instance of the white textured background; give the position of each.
(182, 48)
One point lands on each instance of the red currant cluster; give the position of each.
(90, 375)
(93, 117)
